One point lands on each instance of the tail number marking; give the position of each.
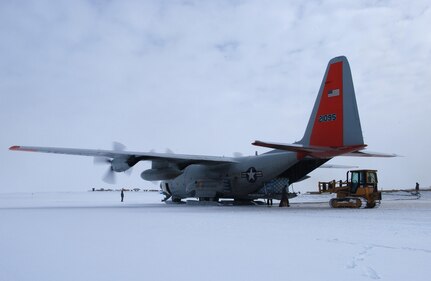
(328, 117)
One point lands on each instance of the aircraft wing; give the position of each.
(335, 166)
(179, 159)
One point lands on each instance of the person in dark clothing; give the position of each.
(269, 202)
(284, 202)
(122, 195)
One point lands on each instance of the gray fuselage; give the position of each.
(234, 180)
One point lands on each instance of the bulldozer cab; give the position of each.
(361, 178)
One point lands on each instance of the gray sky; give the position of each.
(205, 77)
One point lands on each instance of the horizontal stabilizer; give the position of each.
(311, 150)
(365, 153)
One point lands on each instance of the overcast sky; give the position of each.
(205, 77)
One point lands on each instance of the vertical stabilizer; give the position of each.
(334, 121)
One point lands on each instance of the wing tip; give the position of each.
(21, 148)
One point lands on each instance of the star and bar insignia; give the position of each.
(251, 174)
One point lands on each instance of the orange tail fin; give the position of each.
(334, 121)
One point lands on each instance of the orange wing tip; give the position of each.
(19, 148)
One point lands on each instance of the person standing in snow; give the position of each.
(284, 202)
(122, 195)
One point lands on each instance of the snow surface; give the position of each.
(93, 236)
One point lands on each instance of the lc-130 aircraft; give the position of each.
(334, 129)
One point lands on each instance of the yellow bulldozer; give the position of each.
(360, 185)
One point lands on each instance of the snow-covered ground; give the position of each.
(92, 236)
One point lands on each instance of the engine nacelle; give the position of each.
(161, 174)
(120, 164)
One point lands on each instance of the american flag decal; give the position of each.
(333, 93)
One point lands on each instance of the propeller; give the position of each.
(237, 154)
(109, 176)
(116, 146)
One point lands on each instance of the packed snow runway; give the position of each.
(93, 236)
